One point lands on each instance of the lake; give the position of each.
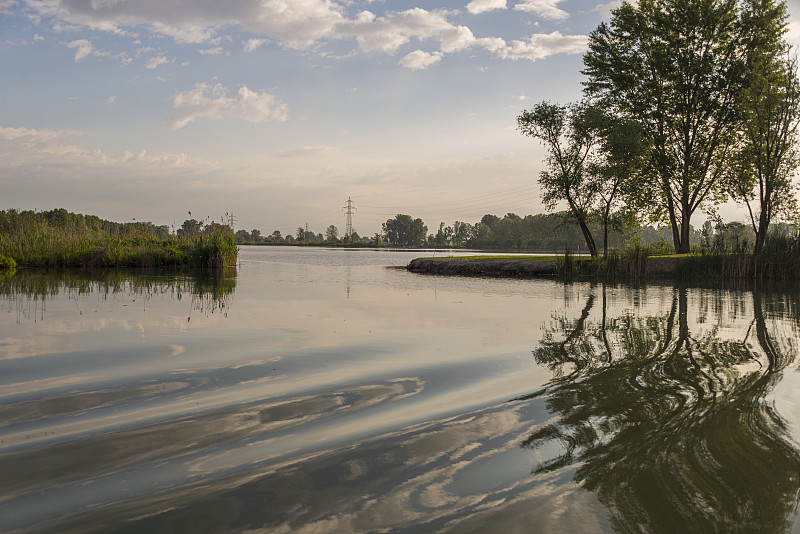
(316, 390)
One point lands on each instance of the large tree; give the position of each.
(570, 136)
(769, 108)
(672, 66)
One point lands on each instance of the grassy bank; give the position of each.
(36, 242)
(780, 262)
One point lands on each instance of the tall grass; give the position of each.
(38, 243)
(629, 265)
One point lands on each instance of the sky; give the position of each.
(278, 111)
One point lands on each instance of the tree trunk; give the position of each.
(587, 235)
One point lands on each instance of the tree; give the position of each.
(300, 234)
(617, 171)
(769, 107)
(242, 236)
(569, 134)
(403, 231)
(332, 234)
(672, 66)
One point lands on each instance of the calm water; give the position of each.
(320, 391)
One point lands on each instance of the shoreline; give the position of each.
(524, 267)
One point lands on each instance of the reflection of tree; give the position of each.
(209, 290)
(674, 433)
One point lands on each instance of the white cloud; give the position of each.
(395, 29)
(111, 99)
(419, 60)
(154, 62)
(251, 45)
(83, 48)
(538, 46)
(22, 146)
(544, 8)
(207, 101)
(482, 6)
(217, 51)
(303, 24)
(605, 9)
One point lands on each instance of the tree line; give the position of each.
(687, 104)
(559, 232)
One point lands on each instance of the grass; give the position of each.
(517, 258)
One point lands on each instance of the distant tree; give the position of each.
(300, 235)
(462, 232)
(403, 231)
(242, 236)
(570, 136)
(332, 234)
(190, 228)
(276, 236)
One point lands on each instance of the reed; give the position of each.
(629, 265)
(37, 242)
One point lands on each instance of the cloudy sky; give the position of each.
(279, 110)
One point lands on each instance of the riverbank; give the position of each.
(525, 266)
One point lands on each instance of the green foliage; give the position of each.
(64, 240)
(672, 66)
(569, 134)
(403, 231)
(7, 264)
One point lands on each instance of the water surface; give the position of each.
(317, 390)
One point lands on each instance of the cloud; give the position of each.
(22, 146)
(154, 62)
(605, 9)
(207, 101)
(538, 46)
(419, 60)
(395, 29)
(544, 8)
(83, 48)
(217, 51)
(307, 24)
(252, 44)
(111, 99)
(477, 7)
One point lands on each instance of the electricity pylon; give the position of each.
(348, 229)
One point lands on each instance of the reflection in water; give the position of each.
(675, 431)
(311, 409)
(210, 291)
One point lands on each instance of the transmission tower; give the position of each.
(348, 229)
